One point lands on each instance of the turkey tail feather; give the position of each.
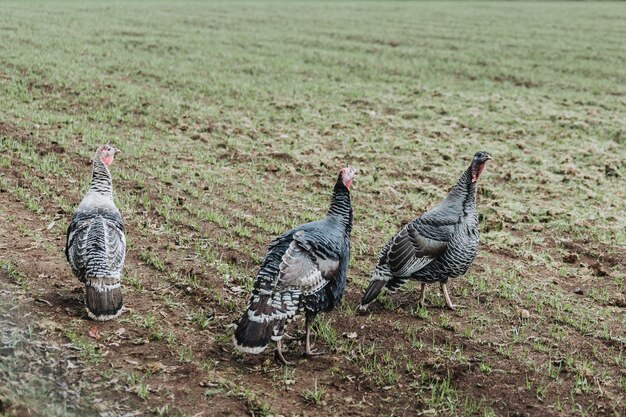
(380, 278)
(372, 291)
(103, 298)
(253, 336)
(264, 320)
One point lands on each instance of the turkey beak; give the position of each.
(116, 151)
(489, 158)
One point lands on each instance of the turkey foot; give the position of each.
(312, 353)
(278, 354)
(446, 296)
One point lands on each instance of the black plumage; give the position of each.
(439, 245)
(304, 269)
(96, 243)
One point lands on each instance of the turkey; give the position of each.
(96, 245)
(304, 269)
(438, 245)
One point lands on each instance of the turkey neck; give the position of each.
(463, 194)
(340, 206)
(101, 182)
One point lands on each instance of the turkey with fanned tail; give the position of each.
(438, 245)
(96, 244)
(304, 269)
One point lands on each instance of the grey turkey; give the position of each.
(305, 268)
(96, 244)
(439, 245)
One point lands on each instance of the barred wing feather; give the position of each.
(94, 236)
(115, 242)
(302, 270)
(409, 251)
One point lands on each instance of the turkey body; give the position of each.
(305, 269)
(96, 247)
(439, 245)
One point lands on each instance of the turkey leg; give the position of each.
(308, 351)
(422, 294)
(446, 296)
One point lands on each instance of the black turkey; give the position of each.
(438, 245)
(304, 269)
(96, 245)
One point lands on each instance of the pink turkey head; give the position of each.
(478, 164)
(105, 154)
(347, 175)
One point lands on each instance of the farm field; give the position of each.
(233, 119)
